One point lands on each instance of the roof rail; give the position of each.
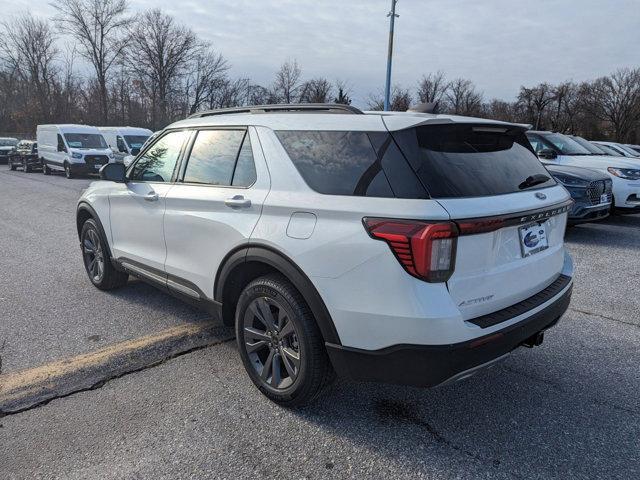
(283, 108)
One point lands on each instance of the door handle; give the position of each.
(237, 201)
(151, 196)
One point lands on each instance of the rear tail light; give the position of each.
(425, 250)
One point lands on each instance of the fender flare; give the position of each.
(286, 266)
(84, 206)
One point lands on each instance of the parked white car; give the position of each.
(125, 141)
(73, 149)
(407, 248)
(559, 149)
(622, 150)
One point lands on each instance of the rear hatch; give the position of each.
(510, 213)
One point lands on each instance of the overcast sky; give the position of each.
(499, 44)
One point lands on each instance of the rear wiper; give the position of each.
(533, 180)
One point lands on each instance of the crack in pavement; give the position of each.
(399, 411)
(613, 319)
(560, 389)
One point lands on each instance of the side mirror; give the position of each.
(135, 151)
(547, 154)
(113, 172)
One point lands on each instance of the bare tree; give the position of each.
(401, 100)
(564, 108)
(317, 90)
(160, 52)
(99, 27)
(463, 98)
(230, 93)
(615, 100)
(535, 101)
(30, 51)
(207, 74)
(432, 88)
(287, 84)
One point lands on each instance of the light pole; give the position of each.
(387, 88)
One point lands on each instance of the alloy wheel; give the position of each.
(93, 255)
(271, 343)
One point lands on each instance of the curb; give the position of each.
(29, 388)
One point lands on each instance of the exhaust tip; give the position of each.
(534, 340)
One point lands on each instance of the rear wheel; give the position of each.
(280, 343)
(97, 261)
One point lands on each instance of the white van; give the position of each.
(73, 149)
(125, 141)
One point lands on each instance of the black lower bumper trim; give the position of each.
(430, 365)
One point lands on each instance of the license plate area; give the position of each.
(533, 239)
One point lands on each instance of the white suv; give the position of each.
(407, 248)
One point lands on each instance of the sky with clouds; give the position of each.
(499, 44)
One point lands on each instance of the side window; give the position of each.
(61, 147)
(120, 144)
(536, 143)
(337, 163)
(159, 161)
(213, 157)
(245, 173)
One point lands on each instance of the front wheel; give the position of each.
(97, 261)
(67, 171)
(12, 166)
(280, 343)
(45, 168)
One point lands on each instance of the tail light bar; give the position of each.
(426, 250)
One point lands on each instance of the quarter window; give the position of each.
(245, 172)
(159, 161)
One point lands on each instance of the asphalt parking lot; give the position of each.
(568, 409)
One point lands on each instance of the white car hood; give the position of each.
(600, 162)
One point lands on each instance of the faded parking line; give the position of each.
(26, 389)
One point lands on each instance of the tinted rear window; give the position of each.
(352, 163)
(470, 160)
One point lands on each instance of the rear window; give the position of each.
(352, 163)
(470, 160)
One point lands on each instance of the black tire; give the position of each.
(45, 169)
(313, 372)
(12, 166)
(26, 167)
(67, 171)
(94, 247)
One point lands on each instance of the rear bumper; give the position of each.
(431, 365)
